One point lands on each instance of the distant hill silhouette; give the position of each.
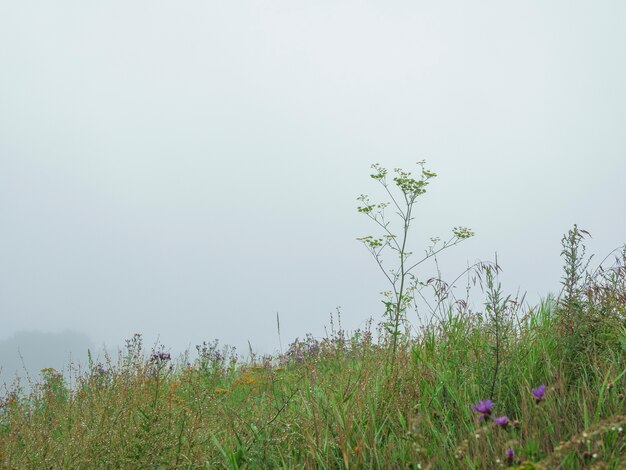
(39, 350)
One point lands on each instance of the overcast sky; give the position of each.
(187, 169)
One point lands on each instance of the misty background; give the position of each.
(186, 170)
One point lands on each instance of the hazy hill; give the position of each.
(27, 352)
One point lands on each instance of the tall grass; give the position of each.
(496, 387)
(335, 403)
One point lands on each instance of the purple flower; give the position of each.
(160, 356)
(539, 392)
(510, 455)
(483, 407)
(502, 421)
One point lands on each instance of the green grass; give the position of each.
(335, 404)
(345, 402)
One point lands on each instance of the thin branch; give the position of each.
(439, 250)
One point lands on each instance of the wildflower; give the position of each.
(502, 421)
(539, 392)
(160, 356)
(510, 455)
(516, 424)
(483, 407)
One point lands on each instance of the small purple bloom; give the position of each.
(483, 407)
(502, 421)
(161, 356)
(510, 455)
(539, 392)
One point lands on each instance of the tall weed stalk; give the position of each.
(403, 195)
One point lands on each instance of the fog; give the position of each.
(187, 170)
(26, 353)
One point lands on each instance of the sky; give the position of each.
(189, 170)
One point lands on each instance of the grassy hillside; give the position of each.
(503, 385)
(346, 402)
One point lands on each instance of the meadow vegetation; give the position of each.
(498, 385)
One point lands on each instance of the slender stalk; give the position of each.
(401, 292)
